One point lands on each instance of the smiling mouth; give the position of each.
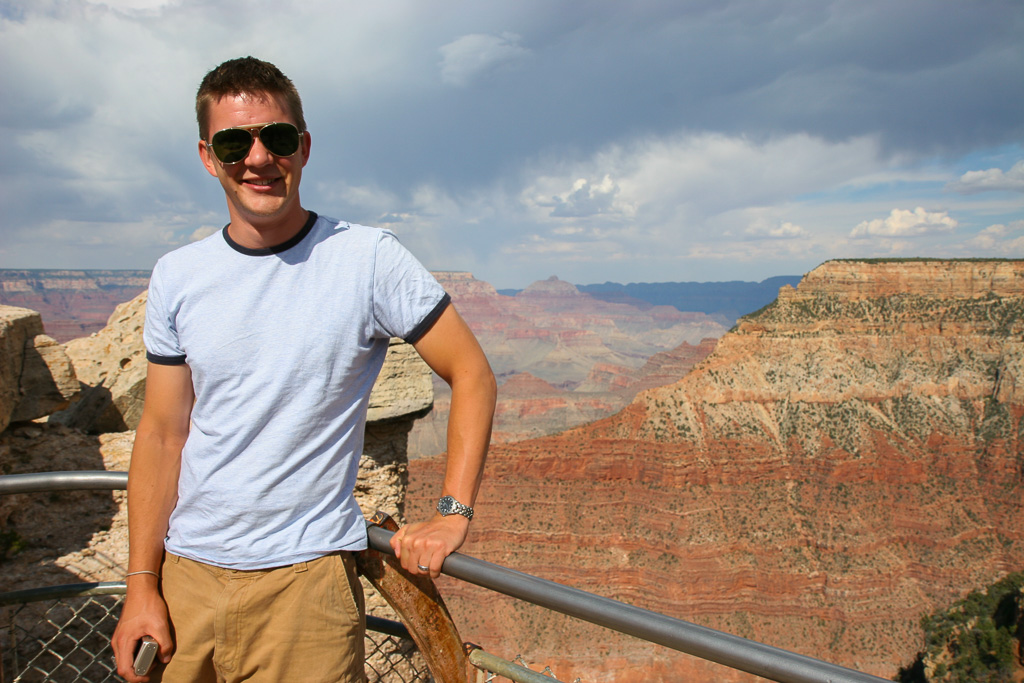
(261, 182)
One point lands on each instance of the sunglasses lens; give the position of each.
(280, 139)
(231, 145)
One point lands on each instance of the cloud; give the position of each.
(992, 180)
(536, 132)
(133, 5)
(1006, 240)
(782, 231)
(903, 223)
(588, 251)
(469, 57)
(202, 232)
(585, 199)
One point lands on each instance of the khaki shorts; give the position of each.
(303, 622)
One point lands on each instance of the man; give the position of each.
(263, 343)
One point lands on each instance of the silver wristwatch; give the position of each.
(449, 506)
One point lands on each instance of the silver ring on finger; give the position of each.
(422, 568)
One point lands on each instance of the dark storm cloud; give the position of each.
(925, 77)
(519, 139)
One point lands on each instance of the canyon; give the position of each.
(847, 460)
(563, 357)
(843, 462)
(73, 303)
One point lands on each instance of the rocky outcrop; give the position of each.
(931, 278)
(848, 460)
(36, 376)
(403, 388)
(111, 364)
(402, 394)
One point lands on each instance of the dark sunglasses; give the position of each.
(231, 145)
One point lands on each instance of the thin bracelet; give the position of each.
(141, 571)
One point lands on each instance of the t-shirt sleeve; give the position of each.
(407, 299)
(160, 335)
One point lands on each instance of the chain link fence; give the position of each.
(67, 639)
(62, 634)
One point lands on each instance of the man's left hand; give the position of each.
(426, 544)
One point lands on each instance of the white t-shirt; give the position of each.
(284, 345)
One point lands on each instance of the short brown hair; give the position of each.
(245, 76)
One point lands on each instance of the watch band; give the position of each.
(449, 506)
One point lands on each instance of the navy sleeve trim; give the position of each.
(165, 360)
(429, 321)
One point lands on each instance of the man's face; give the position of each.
(262, 189)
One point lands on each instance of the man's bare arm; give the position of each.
(451, 350)
(152, 494)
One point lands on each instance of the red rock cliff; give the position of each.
(847, 460)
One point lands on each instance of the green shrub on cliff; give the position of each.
(976, 641)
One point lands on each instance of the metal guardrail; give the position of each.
(62, 633)
(39, 482)
(717, 646)
(723, 648)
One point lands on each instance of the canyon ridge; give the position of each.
(847, 460)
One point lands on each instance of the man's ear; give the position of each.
(207, 159)
(307, 141)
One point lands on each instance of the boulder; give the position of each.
(36, 376)
(404, 386)
(111, 365)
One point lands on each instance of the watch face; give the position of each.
(449, 506)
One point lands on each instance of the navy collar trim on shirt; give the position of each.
(276, 249)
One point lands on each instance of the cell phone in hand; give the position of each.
(145, 654)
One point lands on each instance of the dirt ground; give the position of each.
(86, 531)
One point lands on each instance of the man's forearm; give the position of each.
(451, 350)
(469, 432)
(152, 493)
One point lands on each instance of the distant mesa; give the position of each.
(72, 303)
(729, 300)
(564, 357)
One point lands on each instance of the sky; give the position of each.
(673, 140)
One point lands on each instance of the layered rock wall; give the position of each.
(846, 461)
(111, 364)
(587, 358)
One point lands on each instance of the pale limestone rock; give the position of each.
(111, 364)
(36, 376)
(403, 387)
(48, 379)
